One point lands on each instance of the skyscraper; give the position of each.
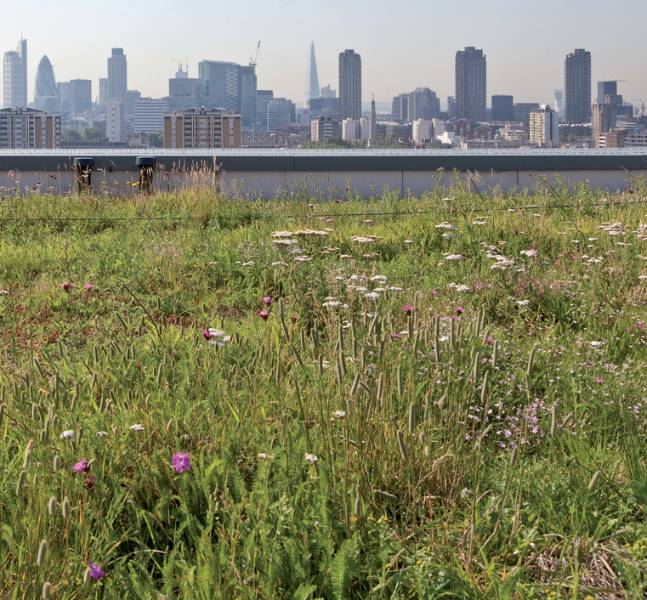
(117, 75)
(313, 78)
(544, 128)
(577, 87)
(471, 84)
(15, 77)
(75, 96)
(247, 87)
(350, 84)
(46, 93)
(221, 83)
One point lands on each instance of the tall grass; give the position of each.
(446, 404)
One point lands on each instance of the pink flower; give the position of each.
(83, 466)
(460, 310)
(267, 300)
(489, 340)
(435, 293)
(96, 572)
(181, 462)
(395, 335)
(641, 326)
(67, 286)
(599, 380)
(408, 309)
(88, 286)
(263, 314)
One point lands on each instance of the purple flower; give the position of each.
(267, 300)
(460, 310)
(67, 286)
(83, 466)
(263, 314)
(408, 309)
(181, 462)
(96, 572)
(90, 482)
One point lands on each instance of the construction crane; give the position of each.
(254, 61)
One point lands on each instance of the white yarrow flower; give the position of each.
(68, 434)
(136, 427)
(310, 458)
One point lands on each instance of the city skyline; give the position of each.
(427, 56)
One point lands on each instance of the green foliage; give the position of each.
(491, 444)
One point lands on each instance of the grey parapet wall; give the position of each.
(324, 174)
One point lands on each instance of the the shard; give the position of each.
(313, 90)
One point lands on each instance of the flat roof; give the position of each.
(288, 160)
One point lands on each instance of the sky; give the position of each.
(403, 45)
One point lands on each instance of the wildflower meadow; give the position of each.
(444, 397)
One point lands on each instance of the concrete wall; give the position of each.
(322, 185)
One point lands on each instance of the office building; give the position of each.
(422, 131)
(202, 128)
(502, 108)
(46, 92)
(148, 116)
(522, 112)
(328, 92)
(117, 76)
(313, 90)
(350, 84)
(280, 113)
(247, 87)
(263, 98)
(351, 130)
(325, 129)
(544, 128)
(577, 87)
(103, 91)
(116, 121)
(186, 92)
(132, 96)
(608, 93)
(559, 102)
(471, 84)
(29, 129)
(15, 77)
(221, 83)
(75, 97)
(400, 107)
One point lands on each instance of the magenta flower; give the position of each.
(88, 286)
(395, 335)
(489, 340)
(599, 380)
(206, 334)
(408, 309)
(641, 326)
(267, 300)
(67, 286)
(181, 462)
(460, 310)
(96, 572)
(83, 466)
(435, 293)
(263, 314)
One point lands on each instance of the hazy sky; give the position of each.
(403, 44)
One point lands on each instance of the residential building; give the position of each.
(117, 76)
(313, 90)
(325, 129)
(544, 128)
(202, 128)
(148, 115)
(422, 131)
(350, 84)
(46, 92)
(75, 97)
(351, 130)
(603, 118)
(577, 87)
(503, 109)
(116, 121)
(26, 128)
(280, 112)
(471, 84)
